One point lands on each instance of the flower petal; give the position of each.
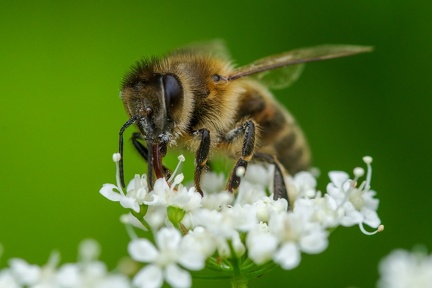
(261, 246)
(192, 260)
(129, 203)
(108, 192)
(371, 218)
(315, 242)
(168, 238)
(142, 250)
(68, 276)
(24, 272)
(338, 178)
(177, 277)
(288, 256)
(150, 276)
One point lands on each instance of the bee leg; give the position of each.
(143, 151)
(201, 157)
(279, 187)
(248, 128)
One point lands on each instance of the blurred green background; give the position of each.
(61, 63)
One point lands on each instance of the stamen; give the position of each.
(54, 259)
(181, 159)
(347, 193)
(380, 229)
(116, 159)
(368, 161)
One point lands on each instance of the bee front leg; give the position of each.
(248, 129)
(279, 187)
(201, 156)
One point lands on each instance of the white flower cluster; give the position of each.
(237, 236)
(403, 269)
(87, 272)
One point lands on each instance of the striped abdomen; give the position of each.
(278, 133)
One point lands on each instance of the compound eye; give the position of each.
(216, 78)
(172, 90)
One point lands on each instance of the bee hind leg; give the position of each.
(279, 186)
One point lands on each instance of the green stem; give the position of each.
(140, 218)
(239, 282)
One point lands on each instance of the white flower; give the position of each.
(137, 191)
(223, 227)
(305, 184)
(25, 273)
(213, 183)
(259, 175)
(296, 233)
(321, 209)
(8, 280)
(177, 195)
(68, 276)
(217, 201)
(266, 206)
(164, 260)
(89, 250)
(357, 202)
(156, 216)
(249, 193)
(261, 244)
(402, 269)
(92, 274)
(255, 185)
(201, 240)
(86, 273)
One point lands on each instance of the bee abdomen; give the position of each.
(292, 150)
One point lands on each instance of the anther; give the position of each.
(358, 172)
(367, 159)
(116, 157)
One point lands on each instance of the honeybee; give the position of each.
(196, 100)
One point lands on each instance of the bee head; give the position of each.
(152, 98)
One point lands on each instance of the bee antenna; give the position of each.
(122, 129)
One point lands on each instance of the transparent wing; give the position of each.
(215, 48)
(281, 77)
(298, 56)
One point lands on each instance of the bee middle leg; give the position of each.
(248, 129)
